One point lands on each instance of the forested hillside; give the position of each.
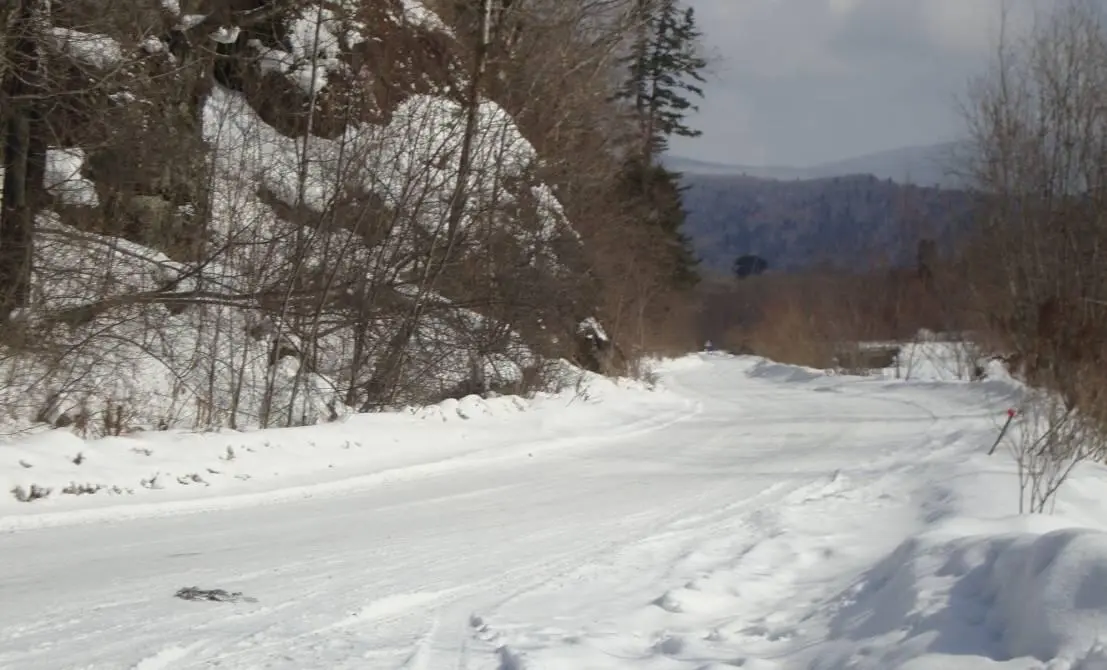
(842, 221)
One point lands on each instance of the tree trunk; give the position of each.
(24, 159)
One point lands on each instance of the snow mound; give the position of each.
(583, 385)
(681, 364)
(98, 51)
(60, 471)
(416, 13)
(393, 161)
(471, 407)
(763, 368)
(63, 178)
(971, 601)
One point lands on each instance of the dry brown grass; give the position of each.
(816, 319)
(787, 332)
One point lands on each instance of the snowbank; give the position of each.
(970, 585)
(973, 601)
(780, 372)
(683, 363)
(56, 470)
(53, 466)
(99, 51)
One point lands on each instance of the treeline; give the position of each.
(809, 317)
(848, 221)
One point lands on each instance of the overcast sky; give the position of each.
(800, 82)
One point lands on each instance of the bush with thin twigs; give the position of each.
(1048, 441)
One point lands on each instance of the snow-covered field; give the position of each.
(744, 515)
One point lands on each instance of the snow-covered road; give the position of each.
(725, 535)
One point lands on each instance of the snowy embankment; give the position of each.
(169, 304)
(750, 515)
(56, 477)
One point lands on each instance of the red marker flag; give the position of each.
(1003, 431)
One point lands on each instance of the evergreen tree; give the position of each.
(664, 72)
(658, 192)
(749, 265)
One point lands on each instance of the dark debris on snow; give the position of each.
(213, 595)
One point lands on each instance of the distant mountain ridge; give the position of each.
(923, 165)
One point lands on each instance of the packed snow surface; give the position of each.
(744, 514)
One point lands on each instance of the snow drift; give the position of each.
(979, 600)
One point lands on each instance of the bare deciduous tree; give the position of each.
(1039, 162)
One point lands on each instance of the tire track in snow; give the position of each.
(259, 643)
(458, 624)
(713, 549)
(755, 514)
(707, 506)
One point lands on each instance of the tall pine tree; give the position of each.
(665, 69)
(664, 74)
